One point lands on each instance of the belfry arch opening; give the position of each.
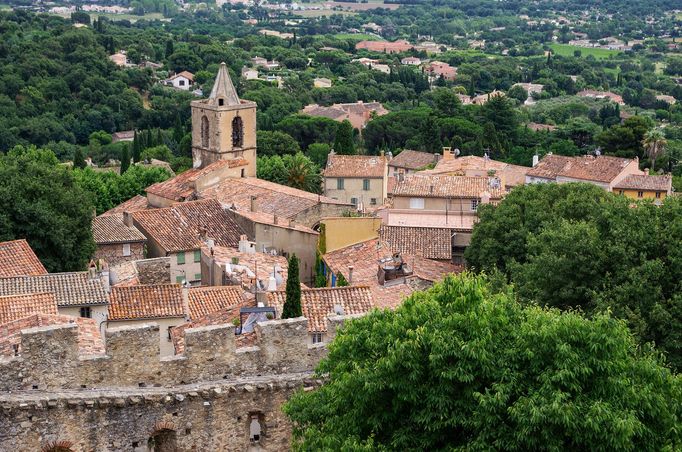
(163, 439)
(205, 129)
(237, 132)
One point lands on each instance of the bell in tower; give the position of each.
(224, 127)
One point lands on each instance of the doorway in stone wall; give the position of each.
(164, 439)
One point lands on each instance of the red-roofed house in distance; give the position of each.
(17, 259)
(637, 186)
(116, 241)
(361, 180)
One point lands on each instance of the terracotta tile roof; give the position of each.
(272, 198)
(260, 265)
(446, 187)
(369, 166)
(221, 317)
(472, 165)
(146, 302)
(549, 166)
(13, 307)
(124, 274)
(111, 229)
(17, 258)
(431, 243)
(182, 187)
(365, 256)
(645, 182)
(134, 204)
(205, 300)
(69, 289)
(318, 304)
(89, 338)
(273, 220)
(535, 127)
(461, 223)
(413, 160)
(179, 227)
(601, 169)
(188, 75)
(327, 112)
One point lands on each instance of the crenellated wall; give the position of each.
(131, 399)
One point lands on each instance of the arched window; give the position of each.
(163, 441)
(58, 446)
(237, 132)
(204, 132)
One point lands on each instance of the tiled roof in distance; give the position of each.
(69, 289)
(134, 204)
(431, 243)
(644, 182)
(146, 302)
(318, 304)
(205, 300)
(603, 168)
(89, 338)
(17, 258)
(111, 229)
(181, 226)
(369, 166)
(14, 307)
(447, 187)
(413, 160)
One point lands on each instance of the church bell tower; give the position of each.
(224, 128)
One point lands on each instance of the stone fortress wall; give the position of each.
(214, 397)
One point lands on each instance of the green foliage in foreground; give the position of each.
(576, 246)
(459, 368)
(41, 202)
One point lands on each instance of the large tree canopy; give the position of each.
(459, 368)
(41, 202)
(577, 246)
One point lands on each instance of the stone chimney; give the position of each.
(447, 154)
(350, 274)
(536, 160)
(254, 204)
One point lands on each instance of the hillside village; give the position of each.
(320, 230)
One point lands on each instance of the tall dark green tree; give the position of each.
(137, 147)
(79, 158)
(125, 159)
(430, 134)
(292, 305)
(343, 141)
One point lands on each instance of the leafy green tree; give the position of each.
(500, 111)
(318, 152)
(296, 171)
(460, 368)
(40, 202)
(292, 304)
(157, 152)
(341, 280)
(276, 143)
(430, 135)
(654, 144)
(343, 141)
(518, 92)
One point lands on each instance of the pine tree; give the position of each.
(341, 280)
(159, 138)
(125, 159)
(292, 305)
(343, 141)
(169, 48)
(79, 158)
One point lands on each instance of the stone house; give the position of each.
(162, 304)
(17, 258)
(116, 242)
(603, 171)
(180, 231)
(361, 180)
(77, 294)
(409, 161)
(274, 234)
(635, 186)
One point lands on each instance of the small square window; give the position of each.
(170, 337)
(181, 258)
(373, 201)
(365, 184)
(620, 192)
(416, 203)
(197, 276)
(126, 249)
(86, 312)
(354, 201)
(339, 184)
(178, 279)
(221, 102)
(182, 83)
(317, 338)
(658, 195)
(640, 194)
(197, 255)
(474, 205)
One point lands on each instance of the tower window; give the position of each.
(237, 132)
(221, 102)
(204, 132)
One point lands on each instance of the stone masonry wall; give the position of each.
(205, 399)
(113, 253)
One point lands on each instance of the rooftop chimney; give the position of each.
(350, 274)
(254, 206)
(536, 159)
(447, 153)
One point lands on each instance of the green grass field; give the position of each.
(567, 50)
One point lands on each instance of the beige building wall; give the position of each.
(354, 188)
(165, 342)
(341, 232)
(456, 205)
(189, 271)
(98, 313)
(291, 241)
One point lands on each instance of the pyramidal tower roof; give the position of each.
(223, 88)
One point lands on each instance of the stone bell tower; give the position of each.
(224, 128)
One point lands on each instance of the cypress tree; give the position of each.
(292, 305)
(125, 159)
(137, 148)
(148, 139)
(159, 138)
(79, 158)
(343, 141)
